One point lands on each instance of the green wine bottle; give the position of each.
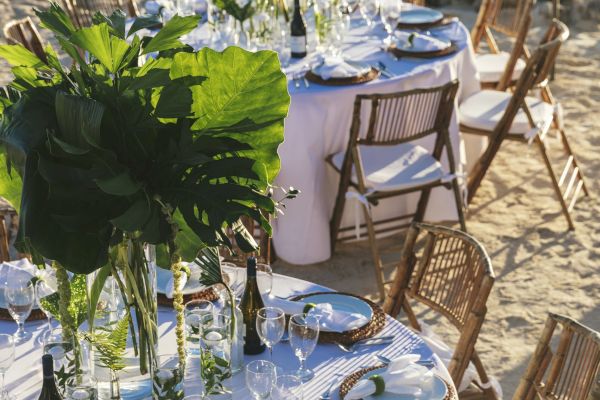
(49, 390)
(251, 303)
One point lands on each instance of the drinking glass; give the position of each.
(304, 334)
(264, 278)
(260, 378)
(390, 13)
(194, 311)
(82, 388)
(369, 10)
(7, 357)
(236, 276)
(42, 290)
(20, 296)
(287, 387)
(270, 325)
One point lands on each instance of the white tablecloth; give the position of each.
(318, 124)
(24, 378)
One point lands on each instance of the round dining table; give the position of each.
(330, 364)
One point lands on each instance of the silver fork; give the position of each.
(327, 393)
(366, 342)
(387, 361)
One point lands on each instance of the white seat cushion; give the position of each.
(484, 109)
(397, 167)
(491, 66)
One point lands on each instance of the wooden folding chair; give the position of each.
(500, 115)
(82, 11)
(498, 69)
(453, 276)
(571, 371)
(24, 32)
(382, 163)
(4, 249)
(237, 256)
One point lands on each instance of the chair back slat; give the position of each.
(568, 373)
(406, 116)
(82, 11)
(4, 249)
(24, 32)
(503, 17)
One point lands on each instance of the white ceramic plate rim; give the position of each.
(353, 304)
(385, 396)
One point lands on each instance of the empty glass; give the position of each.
(369, 10)
(260, 378)
(237, 278)
(264, 278)
(20, 296)
(270, 325)
(42, 290)
(194, 312)
(390, 13)
(287, 387)
(7, 357)
(304, 334)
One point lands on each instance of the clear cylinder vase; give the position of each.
(132, 282)
(215, 357)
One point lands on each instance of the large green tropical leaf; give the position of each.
(18, 56)
(168, 37)
(96, 39)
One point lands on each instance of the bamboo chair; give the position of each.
(499, 69)
(382, 163)
(24, 32)
(453, 276)
(4, 249)
(503, 116)
(82, 11)
(237, 256)
(571, 372)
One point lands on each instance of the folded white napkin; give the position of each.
(336, 67)
(419, 42)
(170, 289)
(402, 377)
(330, 320)
(26, 271)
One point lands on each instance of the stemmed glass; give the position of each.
(264, 278)
(19, 295)
(261, 376)
(369, 10)
(270, 325)
(390, 13)
(42, 290)
(304, 334)
(7, 357)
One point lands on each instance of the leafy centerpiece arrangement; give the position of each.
(119, 155)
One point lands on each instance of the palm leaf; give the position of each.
(210, 263)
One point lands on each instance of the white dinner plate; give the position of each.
(342, 302)
(406, 47)
(437, 391)
(420, 15)
(192, 286)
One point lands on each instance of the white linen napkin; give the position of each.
(330, 320)
(170, 289)
(402, 377)
(336, 67)
(419, 41)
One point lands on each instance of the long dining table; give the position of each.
(330, 364)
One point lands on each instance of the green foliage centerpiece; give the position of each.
(118, 154)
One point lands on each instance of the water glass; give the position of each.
(20, 296)
(7, 357)
(390, 13)
(168, 374)
(42, 290)
(194, 312)
(260, 378)
(369, 10)
(304, 334)
(287, 387)
(270, 325)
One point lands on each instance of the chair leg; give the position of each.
(422, 205)
(375, 252)
(555, 184)
(487, 391)
(459, 205)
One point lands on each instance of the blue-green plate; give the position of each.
(420, 16)
(342, 302)
(437, 391)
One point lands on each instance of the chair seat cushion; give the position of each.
(491, 66)
(484, 109)
(397, 167)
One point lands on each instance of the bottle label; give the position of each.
(298, 44)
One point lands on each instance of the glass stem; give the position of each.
(271, 353)
(301, 364)
(21, 329)
(2, 384)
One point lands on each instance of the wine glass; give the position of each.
(264, 278)
(390, 13)
(270, 325)
(304, 334)
(369, 10)
(42, 290)
(287, 387)
(260, 378)
(236, 276)
(7, 357)
(19, 297)
(194, 312)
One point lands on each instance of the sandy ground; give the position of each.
(539, 265)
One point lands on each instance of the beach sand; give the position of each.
(539, 265)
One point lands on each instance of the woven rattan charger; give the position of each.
(352, 80)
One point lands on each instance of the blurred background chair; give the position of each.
(24, 32)
(82, 11)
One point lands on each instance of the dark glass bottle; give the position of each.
(251, 303)
(298, 30)
(49, 390)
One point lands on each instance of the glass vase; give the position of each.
(215, 357)
(133, 282)
(67, 355)
(168, 375)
